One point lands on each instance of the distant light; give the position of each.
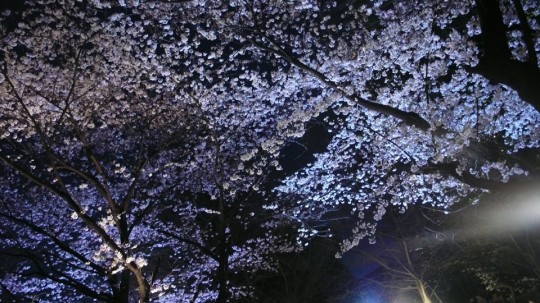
(404, 297)
(519, 212)
(370, 296)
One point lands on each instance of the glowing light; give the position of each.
(518, 211)
(404, 297)
(370, 296)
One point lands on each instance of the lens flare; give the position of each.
(515, 211)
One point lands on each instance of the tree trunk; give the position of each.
(125, 275)
(422, 291)
(496, 63)
(124, 286)
(223, 270)
(223, 267)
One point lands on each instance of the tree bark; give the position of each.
(223, 270)
(223, 267)
(423, 292)
(409, 118)
(496, 63)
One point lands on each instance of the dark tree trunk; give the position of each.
(223, 273)
(124, 286)
(223, 267)
(223, 252)
(496, 63)
(120, 288)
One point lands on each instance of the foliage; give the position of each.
(118, 172)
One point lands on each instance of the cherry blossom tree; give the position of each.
(128, 170)
(424, 112)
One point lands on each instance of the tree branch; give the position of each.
(410, 118)
(527, 33)
(201, 247)
(63, 246)
(51, 273)
(496, 63)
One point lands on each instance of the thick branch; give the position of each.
(527, 33)
(67, 198)
(495, 42)
(465, 177)
(63, 246)
(144, 286)
(410, 118)
(496, 63)
(15, 298)
(205, 250)
(50, 272)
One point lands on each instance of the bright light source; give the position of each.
(519, 212)
(370, 296)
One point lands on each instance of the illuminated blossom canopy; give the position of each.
(142, 142)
